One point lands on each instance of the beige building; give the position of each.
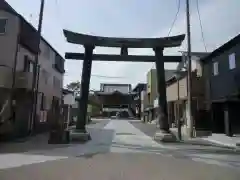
(149, 96)
(18, 41)
(177, 92)
(152, 84)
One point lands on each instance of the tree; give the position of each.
(75, 87)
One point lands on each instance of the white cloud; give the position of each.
(219, 25)
(219, 19)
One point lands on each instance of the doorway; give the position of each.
(218, 118)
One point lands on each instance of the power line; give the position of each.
(112, 77)
(175, 18)
(200, 22)
(174, 21)
(103, 76)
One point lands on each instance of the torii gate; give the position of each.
(157, 44)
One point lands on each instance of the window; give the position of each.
(215, 68)
(3, 24)
(31, 66)
(59, 63)
(28, 65)
(232, 61)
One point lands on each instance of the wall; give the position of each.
(207, 87)
(149, 82)
(151, 85)
(226, 83)
(47, 75)
(46, 85)
(23, 79)
(47, 62)
(195, 58)
(9, 39)
(197, 88)
(8, 49)
(123, 88)
(198, 83)
(8, 43)
(144, 100)
(69, 99)
(93, 110)
(8, 46)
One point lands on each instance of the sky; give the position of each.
(129, 18)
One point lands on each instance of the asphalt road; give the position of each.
(148, 129)
(197, 151)
(118, 150)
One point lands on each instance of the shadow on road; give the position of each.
(39, 144)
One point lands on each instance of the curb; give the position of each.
(229, 146)
(204, 142)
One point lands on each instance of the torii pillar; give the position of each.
(84, 92)
(161, 89)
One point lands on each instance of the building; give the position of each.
(18, 41)
(116, 98)
(140, 87)
(177, 93)
(123, 88)
(152, 83)
(222, 74)
(151, 92)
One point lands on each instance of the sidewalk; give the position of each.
(37, 142)
(222, 139)
(214, 140)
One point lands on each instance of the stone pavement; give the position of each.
(118, 150)
(222, 139)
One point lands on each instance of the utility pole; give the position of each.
(189, 84)
(36, 68)
(179, 122)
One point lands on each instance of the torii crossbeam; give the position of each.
(157, 44)
(128, 58)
